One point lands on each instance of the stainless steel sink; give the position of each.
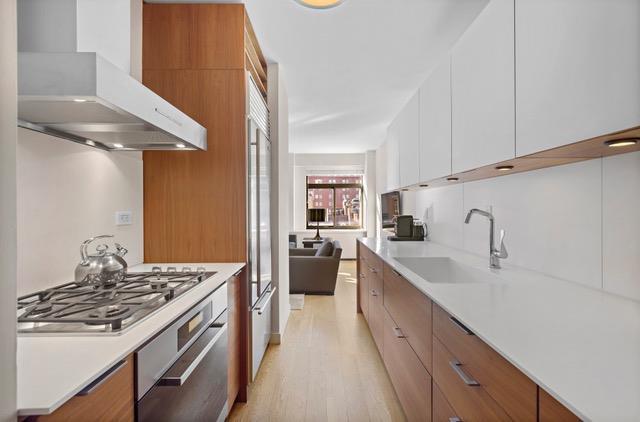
(446, 270)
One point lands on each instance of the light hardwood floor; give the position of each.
(326, 369)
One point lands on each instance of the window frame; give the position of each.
(333, 187)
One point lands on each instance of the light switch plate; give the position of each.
(123, 218)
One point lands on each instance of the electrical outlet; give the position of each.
(123, 218)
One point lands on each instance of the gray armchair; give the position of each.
(312, 274)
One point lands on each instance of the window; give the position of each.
(340, 196)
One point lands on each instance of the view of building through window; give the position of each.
(340, 196)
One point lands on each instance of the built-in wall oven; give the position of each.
(181, 374)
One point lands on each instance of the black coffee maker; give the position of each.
(407, 228)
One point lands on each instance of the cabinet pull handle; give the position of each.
(374, 293)
(455, 419)
(101, 379)
(373, 270)
(456, 366)
(396, 273)
(461, 326)
(398, 332)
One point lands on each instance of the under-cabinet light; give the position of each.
(504, 168)
(617, 143)
(320, 4)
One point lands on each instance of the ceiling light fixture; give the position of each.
(118, 146)
(320, 4)
(452, 179)
(625, 142)
(504, 168)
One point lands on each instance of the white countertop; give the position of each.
(52, 369)
(580, 344)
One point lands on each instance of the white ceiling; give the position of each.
(349, 70)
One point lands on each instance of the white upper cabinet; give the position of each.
(393, 158)
(408, 133)
(435, 123)
(577, 70)
(482, 82)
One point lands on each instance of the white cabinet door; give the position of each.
(435, 123)
(408, 131)
(577, 70)
(393, 172)
(482, 83)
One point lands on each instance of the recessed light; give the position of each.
(424, 186)
(320, 4)
(504, 168)
(90, 142)
(180, 145)
(118, 146)
(452, 179)
(79, 100)
(625, 142)
(404, 189)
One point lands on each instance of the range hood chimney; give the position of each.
(74, 82)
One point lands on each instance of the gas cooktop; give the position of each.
(81, 309)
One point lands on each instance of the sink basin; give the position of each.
(446, 270)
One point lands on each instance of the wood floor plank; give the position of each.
(327, 368)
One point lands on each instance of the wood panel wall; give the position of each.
(195, 202)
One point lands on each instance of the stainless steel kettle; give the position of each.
(102, 268)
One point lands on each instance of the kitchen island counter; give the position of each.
(54, 368)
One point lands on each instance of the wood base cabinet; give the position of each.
(550, 410)
(109, 398)
(410, 379)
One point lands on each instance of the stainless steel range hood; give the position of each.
(83, 97)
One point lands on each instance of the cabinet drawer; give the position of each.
(409, 377)
(376, 311)
(552, 411)
(442, 410)
(471, 402)
(411, 310)
(110, 399)
(363, 293)
(504, 382)
(374, 262)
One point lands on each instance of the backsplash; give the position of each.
(578, 222)
(67, 193)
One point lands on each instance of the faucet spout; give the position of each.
(494, 253)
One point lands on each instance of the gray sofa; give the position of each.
(310, 274)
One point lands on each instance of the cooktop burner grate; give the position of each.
(73, 307)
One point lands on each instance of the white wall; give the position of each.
(279, 116)
(67, 193)
(8, 116)
(578, 222)
(304, 164)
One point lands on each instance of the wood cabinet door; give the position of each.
(411, 310)
(408, 126)
(435, 123)
(507, 385)
(363, 292)
(482, 83)
(442, 410)
(550, 410)
(576, 70)
(376, 310)
(111, 400)
(410, 379)
(471, 402)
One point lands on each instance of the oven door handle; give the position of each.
(263, 306)
(176, 380)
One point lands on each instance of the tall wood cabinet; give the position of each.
(197, 57)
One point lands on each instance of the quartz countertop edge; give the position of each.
(580, 344)
(53, 369)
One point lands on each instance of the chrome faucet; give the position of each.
(495, 254)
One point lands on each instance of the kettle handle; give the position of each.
(83, 248)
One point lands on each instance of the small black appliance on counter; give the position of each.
(407, 228)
